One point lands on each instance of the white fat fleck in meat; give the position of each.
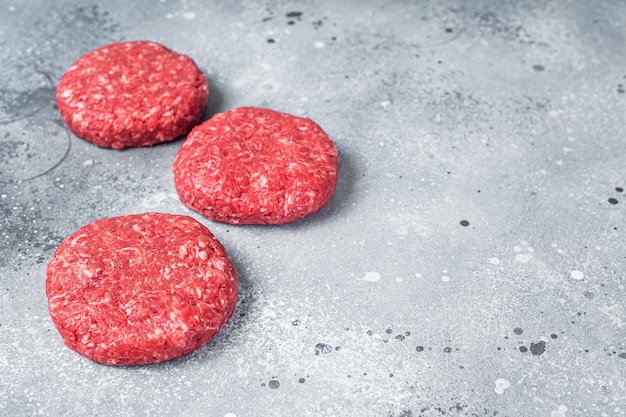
(260, 180)
(67, 93)
(165, 273)
(76, 239)
(77, 118)
(61, 296)
(150, 113)
(182, 251)
(202, 255)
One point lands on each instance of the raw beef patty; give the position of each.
(256, 166)
(140, 289)
(132, 94)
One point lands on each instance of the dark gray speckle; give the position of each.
(274, 384)
(323, 348)
(538, 348)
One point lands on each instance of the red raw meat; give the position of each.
(132, 94)
(256, 166)
(140, 289)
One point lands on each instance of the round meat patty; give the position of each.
(132, 94)
(256, 166)
(140, 289)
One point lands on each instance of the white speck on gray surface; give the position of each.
(372, 276)
(502, 384)
(576, 274)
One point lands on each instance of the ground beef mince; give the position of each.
(256, 166)
(140, 289)
(132, 94)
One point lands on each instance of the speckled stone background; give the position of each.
(471, 262)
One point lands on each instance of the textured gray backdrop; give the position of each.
(470, 263)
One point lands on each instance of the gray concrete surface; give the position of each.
(509, 116)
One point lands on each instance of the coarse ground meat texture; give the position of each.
(140, 289)
(132, 94)
(256, 166)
